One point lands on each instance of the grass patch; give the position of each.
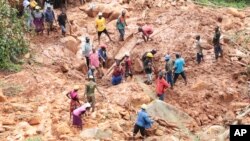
(36, 138)
(227, 3)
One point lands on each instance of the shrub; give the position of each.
(12, 42)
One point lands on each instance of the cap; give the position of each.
(167, 57)
(103, 46)
(76, 87)
(37, 7)
(160, 74)
(100, 14)
(144, 106)
(87, 105)
(150, 55)
(126, 54)
(91, 77)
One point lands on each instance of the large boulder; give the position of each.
(200, 85)
(235, 13)
(34, 121)
(95, 133)
(70, 43)
(110, 11)
(138, 66)
(63, 128)
(2, 97)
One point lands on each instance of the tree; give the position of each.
(12, 42)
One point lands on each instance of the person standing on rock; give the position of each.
(120, 24)
(143, 122)
(146, 32)
(102, 52)
(74, 103)
(169, 70)
(62, 19)
(117, 74)
(49, 18)
(216, 41)
(198, 47)
(148, 67)
(94, 61)
(77, 120)
(90, 92)
(179, 68)
(38, 20)
(86, 50)
(128, 66)
(161, 85)
(101, 27)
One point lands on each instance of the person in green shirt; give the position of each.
(120, 25)
(90, 92)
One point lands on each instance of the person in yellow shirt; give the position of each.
(101, 27)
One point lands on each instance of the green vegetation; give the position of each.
(36, 138)
(12, 42)
(227, 3)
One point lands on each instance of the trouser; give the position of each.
(218, 51)
(199, 57)
(91, 100)
(149, 77)
(122, 33)
(49, 26)
(116, 80)
(87, 61)
(128, 72)
(63, 28)
(169, 78)
(161, 96)
(137, 128)
(176, 75)
(29, 23)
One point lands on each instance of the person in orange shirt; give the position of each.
(161, 85)
(147, 31)
(101, 27)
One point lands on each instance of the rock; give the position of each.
(159, 132)
(27, 56)
(88, 133)
(200, 85)
(138, 66)
(34, 121)
(8, 121)
(2, 129)
(64, 68)
(116, 127)
(235, 12)
(2, 97)
(63, 128)
(103, 134)
(70, 43)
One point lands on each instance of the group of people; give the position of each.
(41, 19)
(96, 60)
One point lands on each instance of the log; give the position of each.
(128, 46)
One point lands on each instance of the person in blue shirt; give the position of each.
(102, 53)
(49, 18)
(179, 68)
(86, 50)
(143, 122)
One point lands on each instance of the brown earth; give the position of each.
(33, 105)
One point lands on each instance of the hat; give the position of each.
(91, 77)
(150, 55)
(37, 7)
(144, 106)
(76, 87)
(100, 14)
(167, 57)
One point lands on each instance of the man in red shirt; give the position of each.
(146, 30)
(161, 85)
